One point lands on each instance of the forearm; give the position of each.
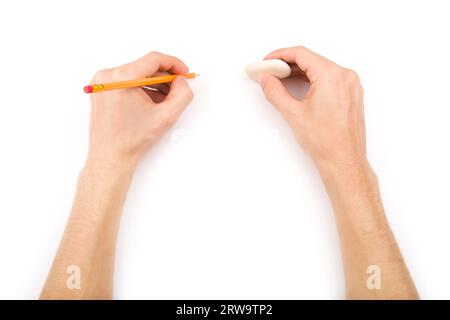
(365, 235)
(90, 235)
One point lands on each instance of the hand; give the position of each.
(125, 123)
(329, 121)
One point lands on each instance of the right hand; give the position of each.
(125, 123)
(329, 121)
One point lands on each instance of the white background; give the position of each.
(227, 205)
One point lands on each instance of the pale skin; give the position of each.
(124, 125)
(328, 123)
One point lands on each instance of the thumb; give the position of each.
(276, 93)
(180, 95)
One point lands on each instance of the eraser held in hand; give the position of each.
(275, 67)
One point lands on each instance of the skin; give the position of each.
(124, 125)
(329, 124)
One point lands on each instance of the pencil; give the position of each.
(99, 87)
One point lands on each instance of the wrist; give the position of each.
(107, 165)
(355, 197)
(354, 171)
(349, 179)
(100, 160)
(101, 190)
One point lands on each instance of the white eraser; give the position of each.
(275, 67)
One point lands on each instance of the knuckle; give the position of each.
(336, 71)
(101, 75)
(351, 75)
(342, 75)
(332, 73)
(299, 50)
(155, 54)
(121, 73)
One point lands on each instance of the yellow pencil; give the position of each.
(135, 83)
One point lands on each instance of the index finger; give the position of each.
(153, 62)
(308, 61)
